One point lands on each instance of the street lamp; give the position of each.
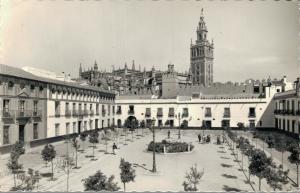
(153, 134)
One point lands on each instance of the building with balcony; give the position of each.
(287, 109)
(37, 109)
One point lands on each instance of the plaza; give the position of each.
(221, 170)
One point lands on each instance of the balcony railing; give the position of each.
(92, 113)
(207, 115)
(18, 114)
(251, 115)
(85, 112)
(57, 113)
(159, 115)
(131, 112)
(171, 114)
(68, 113)
(185, 114)
(226, 115)
(75, 113)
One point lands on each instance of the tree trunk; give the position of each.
(76, 159)
(297, 175)
(282, 159)
(124, 187)
(52, 177)
(15, 179)
(242, 163)
(93, 151)
(259, 184)
(68, 174)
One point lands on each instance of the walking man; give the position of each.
(199, 137)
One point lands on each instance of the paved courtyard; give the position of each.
(221, 171)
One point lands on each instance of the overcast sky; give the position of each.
(252, 39)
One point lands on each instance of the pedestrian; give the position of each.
(199, 137)
(114, 147)
(169, 134)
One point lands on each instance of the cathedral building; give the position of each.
(202, 55)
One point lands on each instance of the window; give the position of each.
(85, 125)
(35, 107)
(57, 108)
(57, 129)
(252, 112)
(35, 131)
(6, 134)
(41, 88)
(119, 110)
(148, 112)
(185, 112)
(159, 112)
(252, 124)
(207, 112)
(67, 128)
(171, 112)
(108, 110)
(226, 112)
(21, 108)
(131, 109)
(113, 109)
(74, 127)
(5, 107)
(32, 87)
(97, 109)
(91, 124)
(293, 126)
(10, 85)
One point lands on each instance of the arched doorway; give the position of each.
(131, 122)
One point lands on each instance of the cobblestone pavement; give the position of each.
(221, 171)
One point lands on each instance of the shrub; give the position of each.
(171, 147)
(99, 182)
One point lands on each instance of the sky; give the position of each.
(252, 39)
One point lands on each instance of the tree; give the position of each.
(259, 164)
(281, 146)
(65, 164)
(76, 146)
(13, 164)
(99, 182)
(193, 177)
(275, 177)
(48, 154)
(127, 172)
(83, 136)
(93, 138)
(294, 159)
(241, 126)
(270, 141)
(28, 181)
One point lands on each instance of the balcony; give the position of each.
(92, 113)
(226, 115)
(131, 112)
(85, 112)
(37, 113)
(159, 115)
(74, 113)
(68, 113)
(207, 115)
(171, 114)
(251, 115)
(185, 114)
(57, 113)
(80, 112)
(23, 114)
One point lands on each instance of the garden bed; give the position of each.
(170, 147)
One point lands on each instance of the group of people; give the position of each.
(204, 138)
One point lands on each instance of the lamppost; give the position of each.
(178, 116)
(153, 134)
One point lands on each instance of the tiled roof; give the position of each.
(18, 72)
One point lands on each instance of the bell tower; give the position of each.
(202, 55)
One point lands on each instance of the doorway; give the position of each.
(21, 133)
(79, 127)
